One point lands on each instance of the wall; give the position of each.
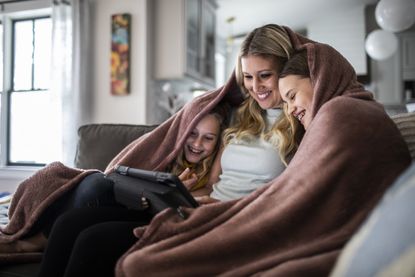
(345, 31)
(106, 107)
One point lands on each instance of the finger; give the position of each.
(184, 175)
(189, 183)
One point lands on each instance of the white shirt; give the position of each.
(247, 166)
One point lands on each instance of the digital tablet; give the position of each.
(162, 189)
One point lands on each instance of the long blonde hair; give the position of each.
(201, 169)
(272, 42)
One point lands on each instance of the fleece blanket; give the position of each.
(300, 221)
(153, 151)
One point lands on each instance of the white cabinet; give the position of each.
(184, 40)
(408, 56)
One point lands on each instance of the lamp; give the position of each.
(381, 44)
(395, 15)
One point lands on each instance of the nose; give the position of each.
(197, 142)
(256, 84)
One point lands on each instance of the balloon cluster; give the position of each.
(392, 16)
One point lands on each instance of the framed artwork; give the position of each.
(120, 53)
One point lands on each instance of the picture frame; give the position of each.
(120, 53)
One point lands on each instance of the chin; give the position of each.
(265, 106)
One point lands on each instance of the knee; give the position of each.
(95, 190)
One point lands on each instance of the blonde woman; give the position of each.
(262, 138)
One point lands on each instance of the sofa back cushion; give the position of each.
(406, 125)
(98, 144)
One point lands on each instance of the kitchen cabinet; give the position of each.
(184, 40)
(408, 56)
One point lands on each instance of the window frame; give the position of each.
(17, 12)
(12, 89)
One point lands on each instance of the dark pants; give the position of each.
(89, 241)
(93, 191)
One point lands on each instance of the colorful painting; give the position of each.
(120, 54)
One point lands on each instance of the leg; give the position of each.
(94, 191)
(69, 225)
(98, 248)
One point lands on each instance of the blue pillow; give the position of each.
(385, 244)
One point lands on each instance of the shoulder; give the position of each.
(348, 110)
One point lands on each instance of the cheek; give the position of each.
(248, 86)
(209, 147)
(189, 140)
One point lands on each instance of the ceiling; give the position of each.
(293, 13)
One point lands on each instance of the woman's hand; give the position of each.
(204, 200)
(188, 178)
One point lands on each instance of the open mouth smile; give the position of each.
(195, 151)
(263, 95)
(300, 115)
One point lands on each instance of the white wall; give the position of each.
(345, 31)
(108, 108)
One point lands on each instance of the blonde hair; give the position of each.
(202, 168)
(272, 42)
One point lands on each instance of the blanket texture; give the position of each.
(153, 151)
(300, 221)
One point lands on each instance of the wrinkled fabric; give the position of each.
(153, 151)
(298, 223)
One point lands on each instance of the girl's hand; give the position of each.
(188, 178)
(204, 200)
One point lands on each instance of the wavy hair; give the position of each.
(272, 42)
(221, 113)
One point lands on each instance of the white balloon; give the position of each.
(395, 15)
(381, 44)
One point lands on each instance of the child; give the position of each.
(70, 232)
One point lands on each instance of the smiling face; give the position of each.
(202, 140)
(297, 92)
(260, 78)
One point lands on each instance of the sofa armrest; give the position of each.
(98, 144)
(406, 125)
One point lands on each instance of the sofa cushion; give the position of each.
(98, 144)
(406, 125)
(385, 244)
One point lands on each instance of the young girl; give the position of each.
(75, 228)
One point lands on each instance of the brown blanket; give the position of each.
(298, 224)
(153, 151)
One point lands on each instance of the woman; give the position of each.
(297, 224)
(261, 140)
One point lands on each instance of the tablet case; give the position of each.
(162, 190)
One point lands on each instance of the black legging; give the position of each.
(89, 241)
(93, 191)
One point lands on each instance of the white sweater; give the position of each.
(247, 166)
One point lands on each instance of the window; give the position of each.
(29, 110)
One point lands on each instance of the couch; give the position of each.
(99, 143)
